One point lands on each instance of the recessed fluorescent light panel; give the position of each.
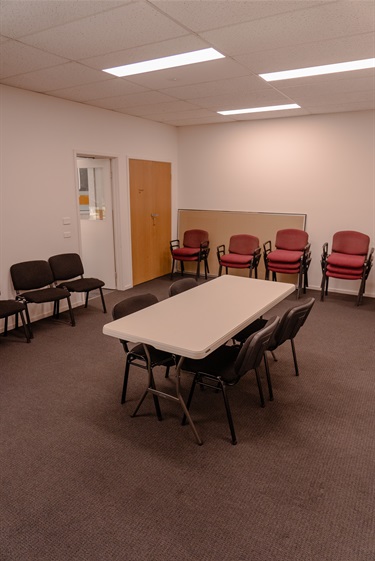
(260, 109)
(319, 70)
(172, 61)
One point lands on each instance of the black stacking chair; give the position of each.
(66, 267)
(228, 364)
(181, 286)
(14, 308)
(137, 355)
(34, 284)
(290, 324)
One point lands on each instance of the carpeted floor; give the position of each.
(83, 481)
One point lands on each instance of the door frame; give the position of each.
(116, 214)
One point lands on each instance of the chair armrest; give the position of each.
(368, 262)
(174, 244)
(267, 247)
(220, 251)
(256, 256)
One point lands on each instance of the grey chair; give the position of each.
(33, 282)
(290, 324)
(137, 355)
(228, 364)
(182, 285)
(14, 308)
(66, 267)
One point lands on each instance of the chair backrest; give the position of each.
(133, 304)
(30, 275)
(252, 351)
(182, 285)
(194, 238)
(350, 242)
(243, 244)
(291, 322)
(66, 266)
(291, 239)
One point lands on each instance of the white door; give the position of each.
(96, 219)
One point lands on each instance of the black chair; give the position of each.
(182, 285)
(13, 308)
(290, 324)
(34, 284)
(228, 364)
(137, 355)
(66, 267)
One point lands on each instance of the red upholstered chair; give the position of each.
(195, 247)
(348, 260)
(291, 256)
(243, 253)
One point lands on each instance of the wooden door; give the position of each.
(150, 204)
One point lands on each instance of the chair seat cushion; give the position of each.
(157, 357)
(186, 253)
(284, 256)
(45, 295)
(82, 285)
(342, 273)
(284, 267)
(250, 329)
(222, 360)
(236, 260)
(10, 307)
(345, 260)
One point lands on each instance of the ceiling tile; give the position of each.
(22, 17)
(17, 58)
(122, 28)
(98, 90)
(320, 23)
(57, 77)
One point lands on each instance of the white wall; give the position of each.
(320, 165)
(39, 137)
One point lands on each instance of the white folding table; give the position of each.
(195, 323)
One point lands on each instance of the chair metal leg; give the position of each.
(191, 393)
(102, 298)
(229, 413)
(173, 261)
(5, 326)
(197, 275)
(126, 378)
(25, 328)
(220, 269)
(268, 374)
(259, 387)
(28, 321)
(294, 357)
(72, 320)
(87, 299)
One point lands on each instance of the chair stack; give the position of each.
(195, 248)
(291, 256)
(349, 260)
(243, 253)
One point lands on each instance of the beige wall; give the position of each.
(39, 136)
(322, 166)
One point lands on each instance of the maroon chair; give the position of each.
(195, 248)
(349, 260)
(243, 253)
(291, 256)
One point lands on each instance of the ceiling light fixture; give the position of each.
(260, 109)
(172, 61)
(319, 70)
